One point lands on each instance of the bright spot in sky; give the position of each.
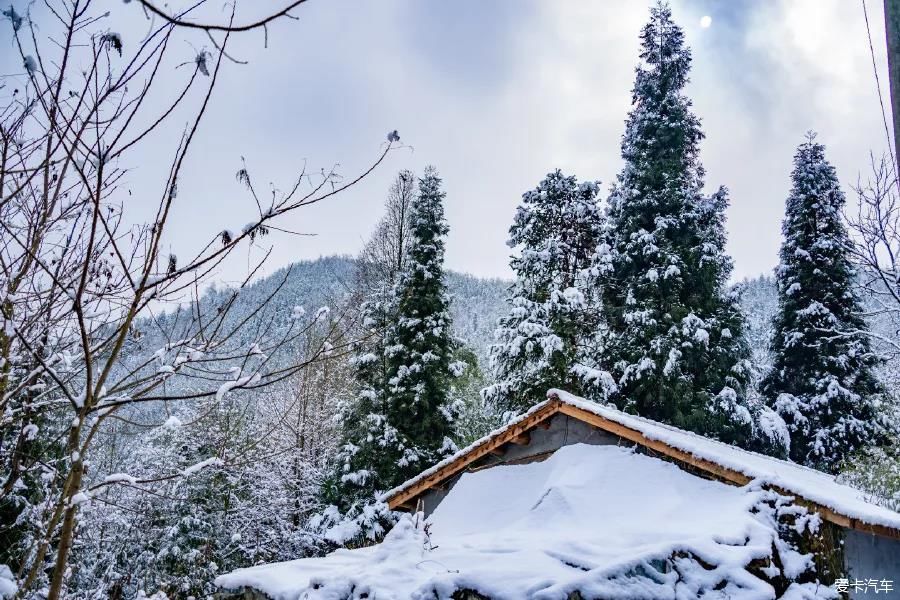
(705, 21)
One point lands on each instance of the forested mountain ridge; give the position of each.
(475, 303)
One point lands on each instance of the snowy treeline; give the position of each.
(277, 445)
(664, 335)
(626, 298)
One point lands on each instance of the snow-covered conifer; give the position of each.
(368, 449)
(821, 381)
(542, 343)
(675, 342)
(419, 342)
(400, 421)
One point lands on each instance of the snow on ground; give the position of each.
(7, 582)
(598, 519)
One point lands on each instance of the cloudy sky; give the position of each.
(496, 93)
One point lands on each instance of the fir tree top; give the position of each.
(662, 135)
(666, 58)
(428, 228)
(812, 228)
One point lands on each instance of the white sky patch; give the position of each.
(705, 21)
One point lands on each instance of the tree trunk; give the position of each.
(892, 32)
(68, 531)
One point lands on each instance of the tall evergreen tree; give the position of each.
(676, 334)
(821, 380)
(420, 343)
(545, 341)
(369, 451)
(400, 422)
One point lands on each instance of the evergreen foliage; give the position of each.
(676, 344)
(544, 341)
(822, 380)
(419, 343)
(365, 460)
(401, 419)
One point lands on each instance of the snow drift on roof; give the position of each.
(598, 519)
(806, 483)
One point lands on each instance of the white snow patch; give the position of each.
(230, 385)
(80, 498)
(8, 586)
(209, 462)
(576, 521)
(120, 478)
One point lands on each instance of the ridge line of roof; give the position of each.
(587, 405)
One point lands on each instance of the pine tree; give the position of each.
(420, 345)
(544, 341)
(370, 445)
(400, 421)
(821, 380)
(364, 460)
(676, 343)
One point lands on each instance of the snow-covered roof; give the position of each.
(839, 503)
(587, 519)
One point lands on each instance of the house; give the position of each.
(575, 500)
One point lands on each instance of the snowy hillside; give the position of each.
(759, 303)
(476, 303)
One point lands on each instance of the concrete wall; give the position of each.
(870, 556)
(563, 430)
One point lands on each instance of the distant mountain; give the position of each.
(476, 303)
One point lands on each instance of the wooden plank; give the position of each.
(398, 500)
(521, 440)
(723, 473)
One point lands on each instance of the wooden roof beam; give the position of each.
(522, 439)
